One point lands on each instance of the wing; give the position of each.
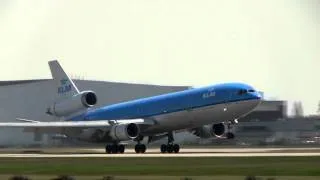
(57, 126)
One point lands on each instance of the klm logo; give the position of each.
(208, 94)
(63, 81)
(65, 87)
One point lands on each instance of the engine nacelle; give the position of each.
(92, 135)
(73, 104)
(124, 132)
(121, 132)
(218, 129)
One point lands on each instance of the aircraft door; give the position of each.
(227, 100)
(229, 108)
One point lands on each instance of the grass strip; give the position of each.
(172, 166)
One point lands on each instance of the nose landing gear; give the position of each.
(230, 134)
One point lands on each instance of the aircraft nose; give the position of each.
(256, 95)
(256, 98)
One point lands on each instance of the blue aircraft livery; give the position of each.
(173, 102)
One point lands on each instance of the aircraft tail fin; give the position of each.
(65, 86)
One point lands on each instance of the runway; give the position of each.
(187, 152)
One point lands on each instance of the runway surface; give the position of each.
(186, 152)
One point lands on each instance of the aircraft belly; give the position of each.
(186, 119)
(200, 116)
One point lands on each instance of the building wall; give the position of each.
(269, 124)
(30, 99)
(287, 131)
(267, 111)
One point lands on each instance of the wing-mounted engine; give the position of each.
(219, 130)
(76, 103)
(119, 132)
(124, 132)
(203, 131)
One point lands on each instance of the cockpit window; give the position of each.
(245, 91)
(242, 92)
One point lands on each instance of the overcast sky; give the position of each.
(273, 45)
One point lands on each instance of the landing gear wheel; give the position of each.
(230, 135)
(108, 149)
(170, 148)
(121, 148)
(140, 148)
(136, 148)
(163, 148)
(143, 148)
(114, 148)
(176, 148)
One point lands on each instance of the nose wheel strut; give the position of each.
(230, 134)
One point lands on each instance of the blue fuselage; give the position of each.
(174, 102)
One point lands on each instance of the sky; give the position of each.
(274, 45)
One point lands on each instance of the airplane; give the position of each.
(154, 117)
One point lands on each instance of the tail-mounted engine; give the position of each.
(81, 101)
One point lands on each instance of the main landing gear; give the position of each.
(170, 147)
(140, 148)
(164, 148)
(115, 148)
(230, 135)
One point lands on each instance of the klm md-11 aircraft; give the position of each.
(153, 117)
